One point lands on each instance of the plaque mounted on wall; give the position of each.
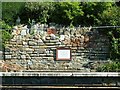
(63, 54)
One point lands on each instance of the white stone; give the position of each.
(32, 43)
(24, 43)
(7, 56)
(82, 39)
(23, 32)
(53, 36)
(40, 41)
(47, 38)
(15, 27)
(30, 62)
(14, 32)
(62, 37)
(23, 56)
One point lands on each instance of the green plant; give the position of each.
(5, 32)
(11, 10)
(114, 37)
(109, 67)
(39, 11)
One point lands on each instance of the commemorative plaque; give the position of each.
(63, 54)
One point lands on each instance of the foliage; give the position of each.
(109, 67)
(66, 13)
(3, 25)
(111, 16)
(39, 11)
(114, 36)
(79, 13)
(11, 10)
(92, 12)
(5, 32)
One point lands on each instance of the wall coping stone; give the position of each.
(62, 73)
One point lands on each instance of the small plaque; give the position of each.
(63, 54)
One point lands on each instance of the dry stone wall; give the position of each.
(37, 50)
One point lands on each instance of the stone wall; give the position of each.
(37, 51)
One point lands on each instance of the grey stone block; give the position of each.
(8, 56)
(7, 49)
(7, 52)
(48, 38)
(34, 55)
(29, 52)
(23, 56)
(14, 57)
(32, 43)
(49, 54)
(42, 54)
(40, 51)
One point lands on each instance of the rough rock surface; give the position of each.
(32, 52)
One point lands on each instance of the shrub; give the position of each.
(5, 32)
(11, 10)
(109, 67)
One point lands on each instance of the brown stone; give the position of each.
(11, 67)
(49, 31)
(74, 45)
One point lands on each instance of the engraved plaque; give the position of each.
(63, 54)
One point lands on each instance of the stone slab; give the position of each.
(60, 73)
